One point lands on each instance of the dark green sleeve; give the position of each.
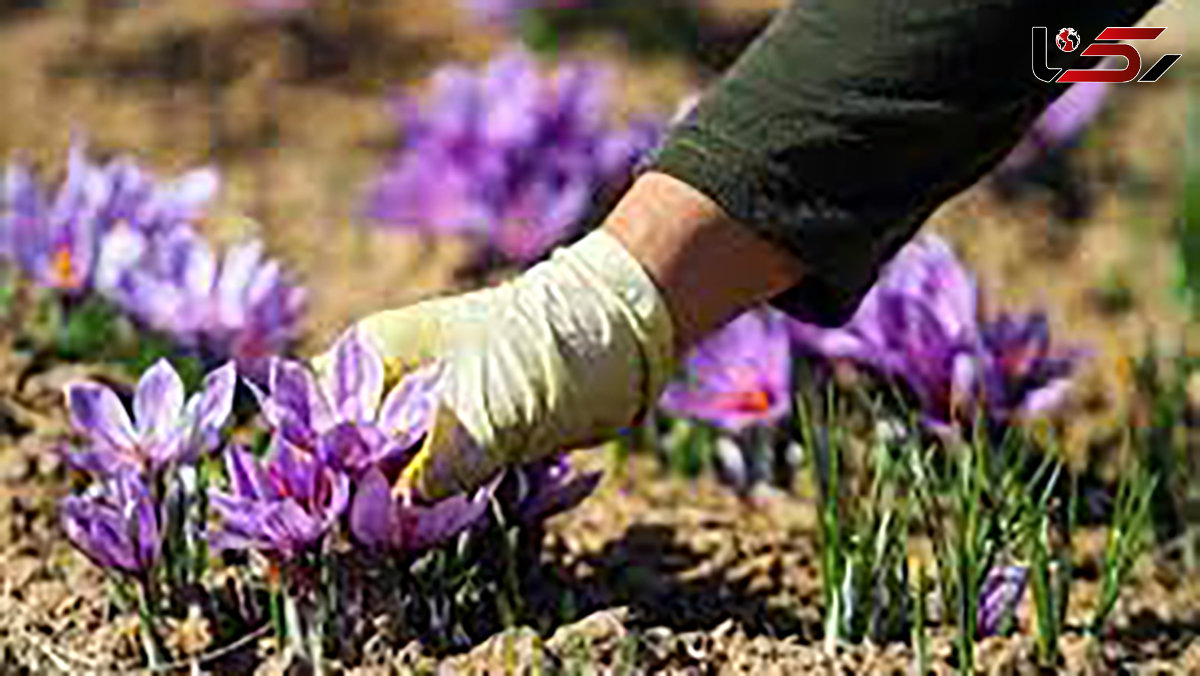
(849, 121)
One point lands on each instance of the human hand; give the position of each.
(565, 355)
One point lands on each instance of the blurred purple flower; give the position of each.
(167, 428)
(1061, 125)
(738, 377)
(379, 519)
(342, 414)
(238, 307)
(998, 600)
(143, 201)
(282, 506)
(507, 155)
(54, 240)
(921, 325)
(116, 525)
(57, 241)
(550, 487)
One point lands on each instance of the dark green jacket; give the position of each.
(849, 121)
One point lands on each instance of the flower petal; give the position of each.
(158, 402)
(355, 383)
(408, 410)
(371, 513)
(96, 412)
(214, 403)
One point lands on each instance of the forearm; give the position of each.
(707, 267)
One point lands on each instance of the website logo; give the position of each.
(1107, 43)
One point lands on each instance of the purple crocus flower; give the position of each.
(921, 325)
(998, 600)
(379, 519)
(57, 242)
(115, 525)
(343, 415)
(283, 506)
(552, 486)
(1026, 378)
(240, 306)
(164, 428)
(54, 240)
(507, 155)
(738, 377)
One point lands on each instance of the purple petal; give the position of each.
(96, 412)
(247, 478)
(425, 527)
(295, 397)
(371, 513)
(408, 409)
(214, 403)
(355, 383)
(353, 448)
(85, 525)
(562, 497)
(158, 402)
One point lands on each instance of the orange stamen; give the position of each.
(63, 268)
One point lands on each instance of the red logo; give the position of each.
(1106, 44)
(1067, 40)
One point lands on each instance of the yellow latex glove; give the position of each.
(563, 356)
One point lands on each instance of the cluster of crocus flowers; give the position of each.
(339, 444)
(508, 155)
(119, 521)
(337, 440)
(921, 326)
(118, 232)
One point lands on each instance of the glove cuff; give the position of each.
(620, 274)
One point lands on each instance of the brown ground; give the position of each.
(703, 579)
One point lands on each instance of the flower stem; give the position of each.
(154, 656)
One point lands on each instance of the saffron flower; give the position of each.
(283, 506)
(921, 325)
(115, 525)
(998, 600)
(239, 306)
(381, 520)
(342, 414)
(54, 240)
(739, 377)
(57, 241)
(507, 155)
(164, 428)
